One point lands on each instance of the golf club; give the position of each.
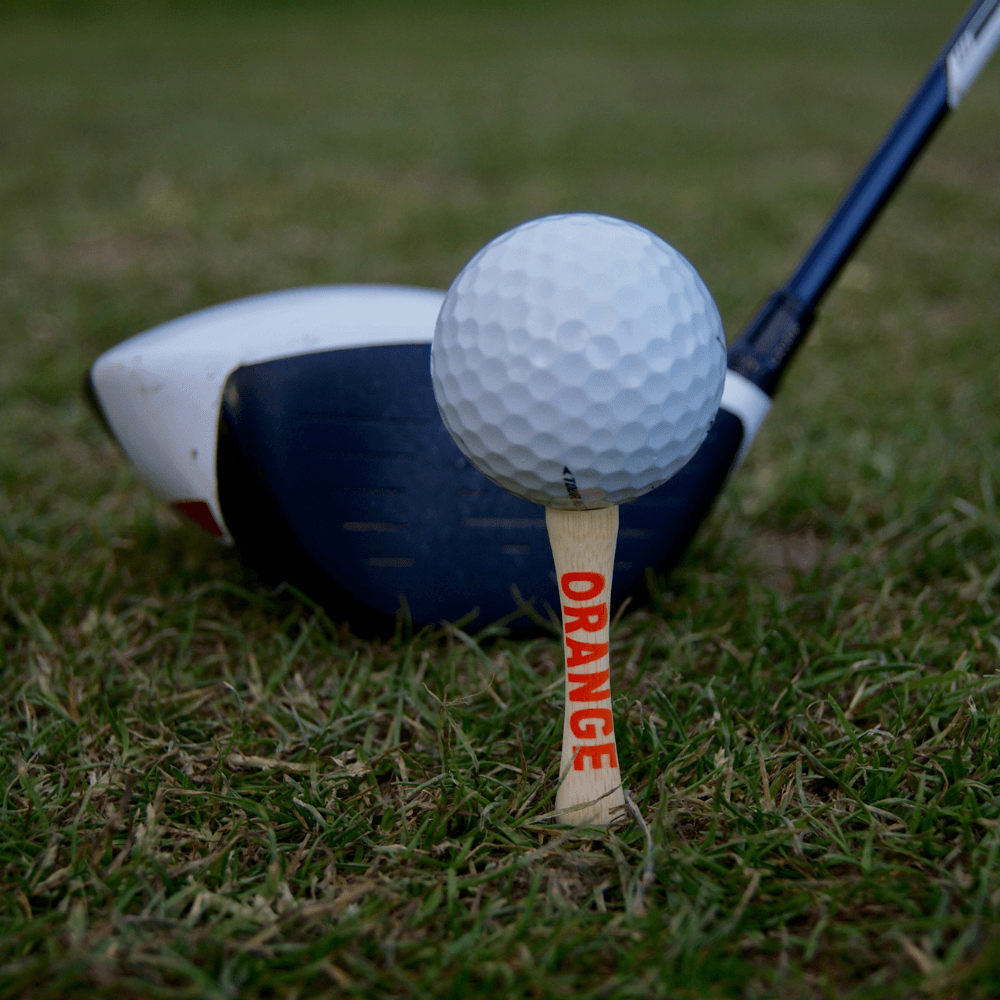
(302, 425)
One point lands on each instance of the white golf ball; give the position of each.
(578, 360)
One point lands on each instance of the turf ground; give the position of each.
(212, 788)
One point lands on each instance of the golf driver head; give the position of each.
(302, 426)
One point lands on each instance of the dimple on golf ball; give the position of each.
(578, 360)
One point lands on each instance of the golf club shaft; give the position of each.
(762, 352)
(764, 349)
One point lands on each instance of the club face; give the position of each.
(350, 447)
(305, 423)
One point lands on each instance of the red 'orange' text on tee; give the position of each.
(588, 722)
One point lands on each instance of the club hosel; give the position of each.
(764, 349)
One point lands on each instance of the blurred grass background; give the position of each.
(158, 158)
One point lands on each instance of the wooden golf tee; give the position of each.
(583, 547)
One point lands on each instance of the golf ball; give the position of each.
(578, 360)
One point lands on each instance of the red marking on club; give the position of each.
(201, 514)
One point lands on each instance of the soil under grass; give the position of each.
(214, 788)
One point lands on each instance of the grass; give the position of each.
(211, 788)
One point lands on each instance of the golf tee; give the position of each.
(583, 548)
